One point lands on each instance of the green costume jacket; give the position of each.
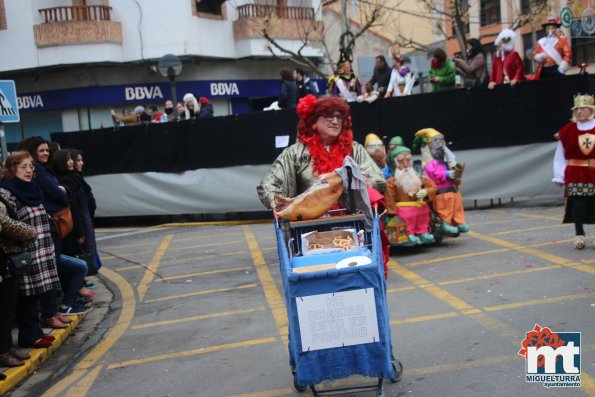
(447, 77)
(291, 173)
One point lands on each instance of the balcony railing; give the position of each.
(76, 13)
(261, 11)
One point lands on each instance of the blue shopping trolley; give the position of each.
(337, 317)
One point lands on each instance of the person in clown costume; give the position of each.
(440, 166)
(574, 166)
(407, 196)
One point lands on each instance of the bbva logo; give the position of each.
(224, 89)
(144, 92)
(29, 102)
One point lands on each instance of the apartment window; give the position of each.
(532, 5)
(212, 7)
(465, 27)
(489, 12)
(583, 50)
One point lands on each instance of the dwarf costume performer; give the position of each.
(407, 196)
(345, 84)
(441, 167)
(552, 52)
(576, 168)
(394, 143)
(507, 65)
(375, 148)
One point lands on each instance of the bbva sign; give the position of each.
(143, 92)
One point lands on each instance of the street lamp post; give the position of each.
(170, 66)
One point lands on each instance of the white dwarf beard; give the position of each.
(407, 179)
(508, 46)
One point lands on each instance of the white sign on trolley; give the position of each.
(337, 319)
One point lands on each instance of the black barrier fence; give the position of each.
(471, 119)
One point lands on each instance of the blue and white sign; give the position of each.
(155, 93)
(9, 111)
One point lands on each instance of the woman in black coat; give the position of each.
(71, 269)
(288, 92)
(90, 243)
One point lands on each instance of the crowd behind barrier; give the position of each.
(470, 119)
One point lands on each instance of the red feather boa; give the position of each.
(327, 160)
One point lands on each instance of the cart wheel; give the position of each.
(297, 386)
(398, 367)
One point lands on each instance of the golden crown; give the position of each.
(583, 101)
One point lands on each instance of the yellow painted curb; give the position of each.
(16, 375)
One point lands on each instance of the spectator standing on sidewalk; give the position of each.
(74, 270)
(14, 237)
(54, 199)
(89, 207)
(26, 199)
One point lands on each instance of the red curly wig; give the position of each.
(309, 109)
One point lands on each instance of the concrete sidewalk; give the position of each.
(38, 368)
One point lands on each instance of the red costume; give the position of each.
(578, 145)
(579, 174)
(560, 46)
(512, 65)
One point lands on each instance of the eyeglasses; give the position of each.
(331, 117)
(25, 167)
(401, 158)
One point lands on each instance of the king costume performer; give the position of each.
(576, 169)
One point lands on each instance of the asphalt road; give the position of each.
(199, 311)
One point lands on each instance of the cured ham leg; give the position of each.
(314, 202)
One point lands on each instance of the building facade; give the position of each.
(73, 61)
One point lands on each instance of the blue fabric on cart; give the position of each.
(370, 359)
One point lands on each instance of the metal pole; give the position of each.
(3, 143)
(172, 86)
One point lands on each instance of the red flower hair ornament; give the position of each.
(306, 106)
